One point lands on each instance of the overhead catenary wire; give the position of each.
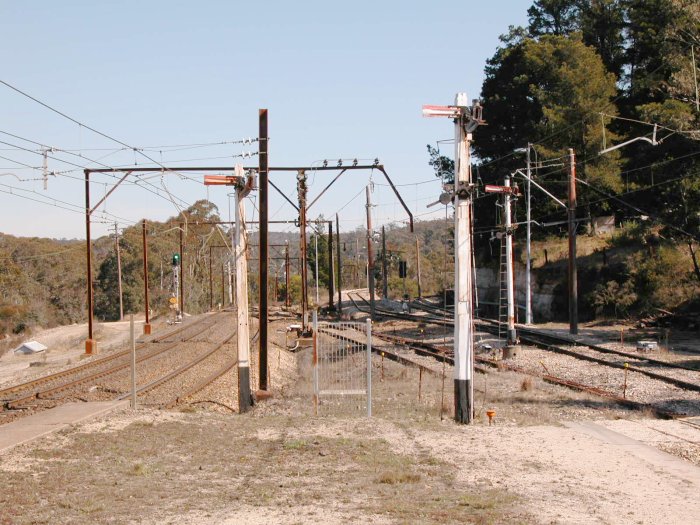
(82, 167)
(609, 103)
(659, 126)
(638, 210)
(74, 207)
(82, 125)
(81, 212)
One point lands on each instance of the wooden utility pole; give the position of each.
(211, 283)
(573, 285)
(510, 280)
(370, 254)
(316, 262)
(147, 325)
(287, 296)
(229, 281)
(245, 398)
(119, 272)
(418, 266)
(90, 343)
(275, 294)
(695, 78)
(528, 255)
(340, 265)
(331, 267)
(357, 261)
(181, 272)
(263, 160)
(301, 190)
(385, 273)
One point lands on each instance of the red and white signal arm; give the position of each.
(492, 188)
(219, 180)
(441, 111)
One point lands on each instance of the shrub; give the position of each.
(631, 233)
(613, 298)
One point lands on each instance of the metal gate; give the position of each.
(342, 366)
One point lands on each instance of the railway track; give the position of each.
(672, 373)
(382, 312)
(54, 389)
(172, 399)
(442, 353)
(679, 376)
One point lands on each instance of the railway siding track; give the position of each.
(586, 352)
(441, 352)
(681, 376)
(682, 384)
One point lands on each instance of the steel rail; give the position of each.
(582, 387)
(184, 368)
(395, 315)
(665, 414)
(201, 385)
(95, 362)
(43, 394)
(539, 340)
(533, 336)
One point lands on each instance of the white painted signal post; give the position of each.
(243, 186)
(466, 119)
(509, 194)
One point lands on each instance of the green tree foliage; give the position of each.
(549, 91)
(323, 262)
(661, 89)
(589, 74)
(41, 283)
(294, 289)
(554, 17)
(444, 166)
(600, 22)
(163, 242)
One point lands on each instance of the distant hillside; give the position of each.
(42, 281)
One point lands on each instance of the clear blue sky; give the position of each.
(340, 80)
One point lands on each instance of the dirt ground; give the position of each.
(66, 346)
(282, 464)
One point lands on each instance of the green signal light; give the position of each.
(176, 259)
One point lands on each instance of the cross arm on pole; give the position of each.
(398, 196)
(283, 195)
(109, 192)
(325, 189)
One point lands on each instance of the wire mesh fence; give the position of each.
(342, 364)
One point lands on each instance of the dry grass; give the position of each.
(280, 458)
(204, 462)
(395, 478)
